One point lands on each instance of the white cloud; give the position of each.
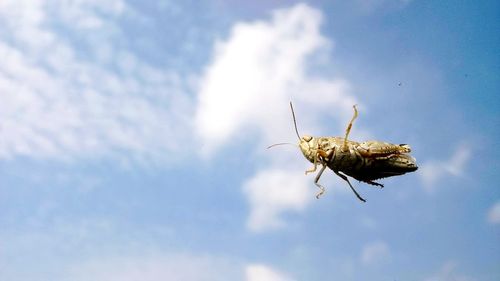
(246, 90)
(375, 253)
(272, 192)
(84, 14)
(433, 171)
(57, 102)
(259, 272)
(448, 272)
(257, 70)
(494, 214)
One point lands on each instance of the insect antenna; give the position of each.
(294, 121)
(296, 131)
(281, 143)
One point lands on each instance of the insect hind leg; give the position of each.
(349, 126)
(352, 188)
(316, 182)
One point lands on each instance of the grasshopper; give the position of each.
(365, 161)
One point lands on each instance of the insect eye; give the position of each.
(307, 138)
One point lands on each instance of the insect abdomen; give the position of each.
(370, 160)
(376, 168)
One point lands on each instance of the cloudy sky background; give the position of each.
(133, 139)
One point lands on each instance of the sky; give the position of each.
(133, 139)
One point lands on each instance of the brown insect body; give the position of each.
(365, 161)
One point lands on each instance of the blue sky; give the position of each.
(133, 136)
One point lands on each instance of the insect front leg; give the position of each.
(319, 153)
(325, 157)
(314, 168)
(349, 126)
(352, 188)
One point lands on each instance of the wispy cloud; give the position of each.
(435, 170)
(448, 272)
(64, 97)
(99, 249)
(273, 192)
(260, 272)
(156, 267)
(182, 267)
(493, 216)
(246, 89)
(375, 253)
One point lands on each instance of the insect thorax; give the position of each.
(330, 146)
